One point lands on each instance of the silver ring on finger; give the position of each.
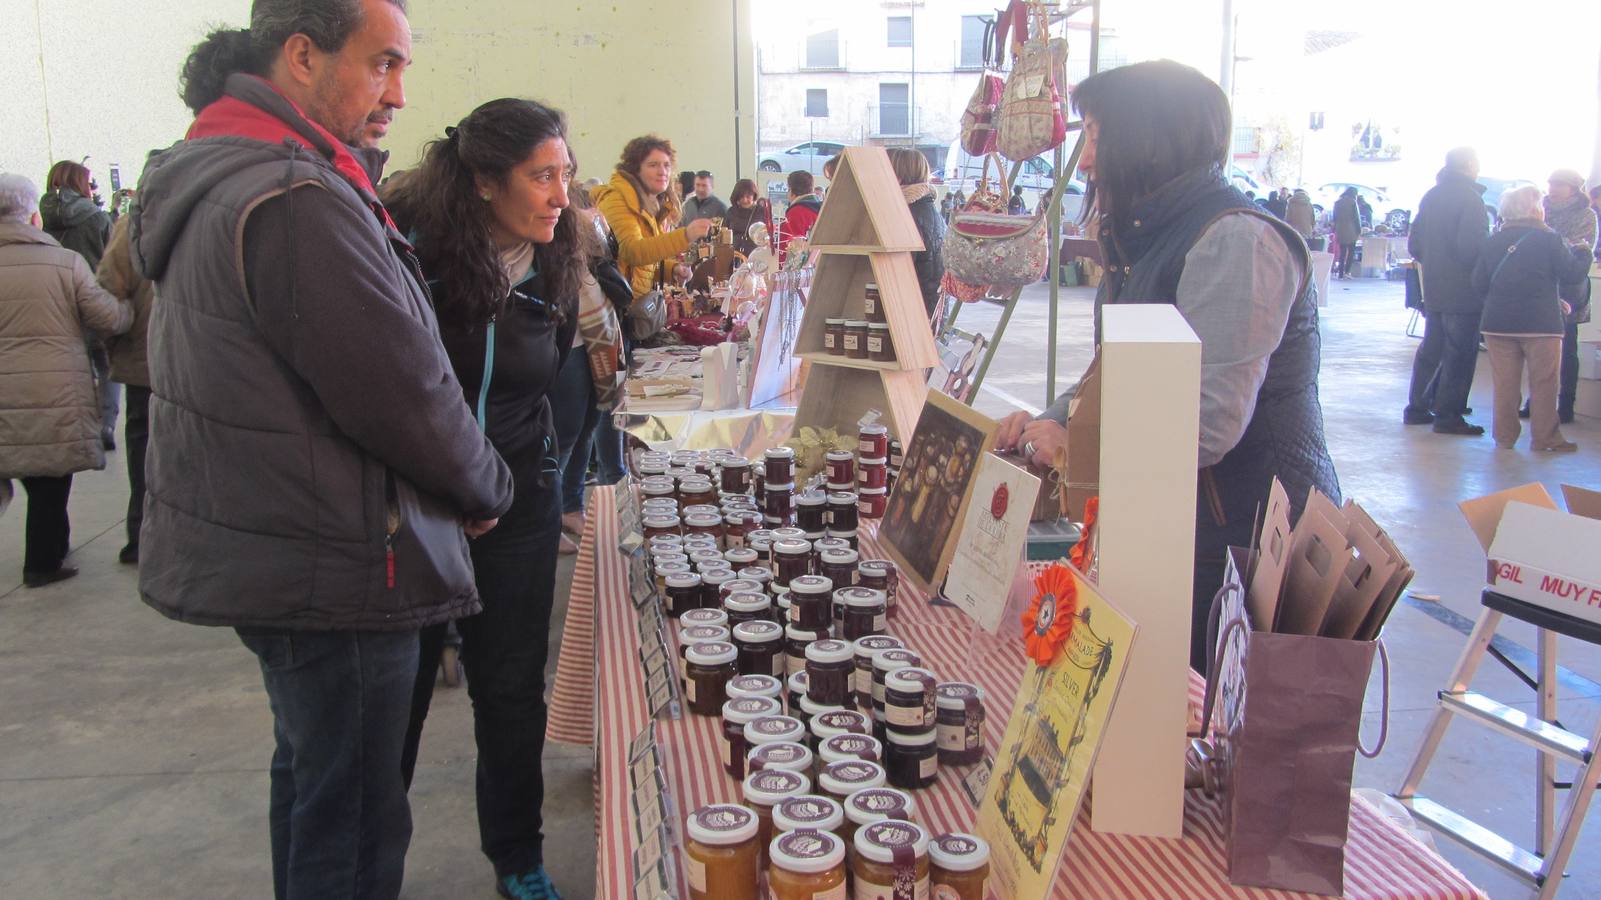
(1028, 449)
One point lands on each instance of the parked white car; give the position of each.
(809, 156)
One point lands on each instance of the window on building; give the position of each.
(971, 54)
(900, 31)
(894, 109)
(822, 50)
(817, 102)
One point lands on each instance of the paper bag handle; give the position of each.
(1384, 715)
(1215, 661)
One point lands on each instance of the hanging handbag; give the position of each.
(978, 120)
(647, 315)
(601, 332)
(986, 247)
(1031, 120)
(982, 200)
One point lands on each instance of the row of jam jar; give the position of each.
(786, 557)
(811, 846)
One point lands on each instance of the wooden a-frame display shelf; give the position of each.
(865, 233)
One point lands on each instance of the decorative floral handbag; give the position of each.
(1031, 116)
(988, 247)
(978, 120)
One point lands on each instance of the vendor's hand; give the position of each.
(477, 528)
(1006, 438)
(697, 229)
(682, 274)
(1040, 440)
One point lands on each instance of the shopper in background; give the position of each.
(1447, 235)
(643, 213)
(130, 366)
(1299, 214)
(703, 204)
(1347, 231)
(311, 461)
(1174, 231)
(1519, 273)
(506, 261)
(746, 209)
(50, 425)
(911, 170)
(1568, 213)
(77, 222)
(804, 205)
(1364, 211)
(1278, 202)
(1016, 206)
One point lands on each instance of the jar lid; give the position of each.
(792, 546)
(909, 680)
(871, 644)
(833, 321)
(877, 326)
(658, 487)
(808, 811)
(741, 585)
(783, 602)
(863, 597)
(797, 633)
(660, 521)
(875, 804)
(669, 569)
(701, 634)
(872, 491)
(811, 498)
(769, 786)
(670, 556)
(807, 851)
(780, 453)
(850, 534)
(956, 694)
(754, 686)
(839, 557)
(683, 580)
(792, 755)
(711, 653)
(879, 841)
(757, 575)
(959, 852)
(733, 462)
(746, 709)
(913, 739)
(896, 658)
(841, 488)
(876, 565)
(812, 708)
(768, 729)
(811, 584)
(855, 323)
(760, 534)
(870, 286)
(758, 631)
(851, 746)
(788, 532)
(749, 602)
(838, 455)
(839, 721)
(702, 509)
(741, 556)
(780, 487)
(843, 497)
(851, 775)
(824, 545)
(717, 572)
(799, 681)
(874, 428)
(722, 824)
(828, 651)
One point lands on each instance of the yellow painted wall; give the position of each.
(618, 67)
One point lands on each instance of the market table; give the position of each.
(599, 696)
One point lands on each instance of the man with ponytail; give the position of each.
(313, 473)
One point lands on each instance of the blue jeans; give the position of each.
(582, 429)
(339, 818)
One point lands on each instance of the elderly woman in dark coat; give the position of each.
(911, 170)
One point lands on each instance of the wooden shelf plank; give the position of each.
(823, 357)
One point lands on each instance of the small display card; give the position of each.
(643, 743)
(989, 549)
(629, 535)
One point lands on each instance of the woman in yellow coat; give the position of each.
(642, 210)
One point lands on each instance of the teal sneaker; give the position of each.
(533, 885)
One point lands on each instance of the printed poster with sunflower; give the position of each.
(1077, 645)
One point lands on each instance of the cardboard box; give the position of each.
(1537, 553)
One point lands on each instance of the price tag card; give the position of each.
(650, 620)
(648, 820)
(651, 793)
(654, 885)
(641, 584)
(663, 699)
(652, 656)
(648, 855)
(643, 743)
(630, 537)
(642, 769)
(976, 783)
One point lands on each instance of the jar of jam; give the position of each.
(839, 566)
(842, 747)
(778, 464)
(746, 606)
(722, 857)
(699, 490)
(806, 864)
(876, 805)
(664, 489)
(830, 543)
(702, 617)
(880, 575)
(871, 473)
(871, 502)
(758, 483)
(664, 570)
(885, 662)
(797, 639)
(759, 576)
(761, 647)
(848, 538)
(795, 691)
(696, 634)
(865, 612)
(856, 338)
(788, 533)
(840, 466)
(844, 486)
(829, 670)
(811, 602)
(701, 557)
(780, 503)
(773, 729)
(834, 337)
(880, 346)
(840, 780)
(782, 608)
(897, 455)
(665, 542)
(791, 756)
(650, 463)
(712, 580)
(842, 510)
(872, 441)
(760, 540)
(910, 700)
(811, 709)
(740, 557)
(808, 811)
(766, 789)
(683, 592)
(659, 506)
(737, 525)
(863, 650)
(959, 723)
(835, 722)
(734, 476)
(738, 713)
(811, 511)
(872, 306)
(655, 526)
(959, 866)
(756, 686)
(791, 559)
(890, 853)
(709, 667)
(701, 509)
(912, 760)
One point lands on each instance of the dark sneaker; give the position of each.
(1415, 417)
(1523, 413)
(533, 885)
(1458, 426)
(40, 579)
(129, 555)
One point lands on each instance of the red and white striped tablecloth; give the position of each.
(601, 683)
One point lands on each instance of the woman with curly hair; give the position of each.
(643, 210)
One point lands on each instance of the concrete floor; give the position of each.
(133, 750)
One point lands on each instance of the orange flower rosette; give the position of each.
(1049, 619)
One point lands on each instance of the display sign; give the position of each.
(654, 885)
(630, 536)
(930, 499)
(1042, 768)
(641, 584)
(643, 742)
(661, 687)
(991, 540)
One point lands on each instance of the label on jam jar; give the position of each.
(875, 344)
(928, 767)
(844, 720)
(852, 341)
(808, 812)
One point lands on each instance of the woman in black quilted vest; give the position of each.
(1173, 230)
